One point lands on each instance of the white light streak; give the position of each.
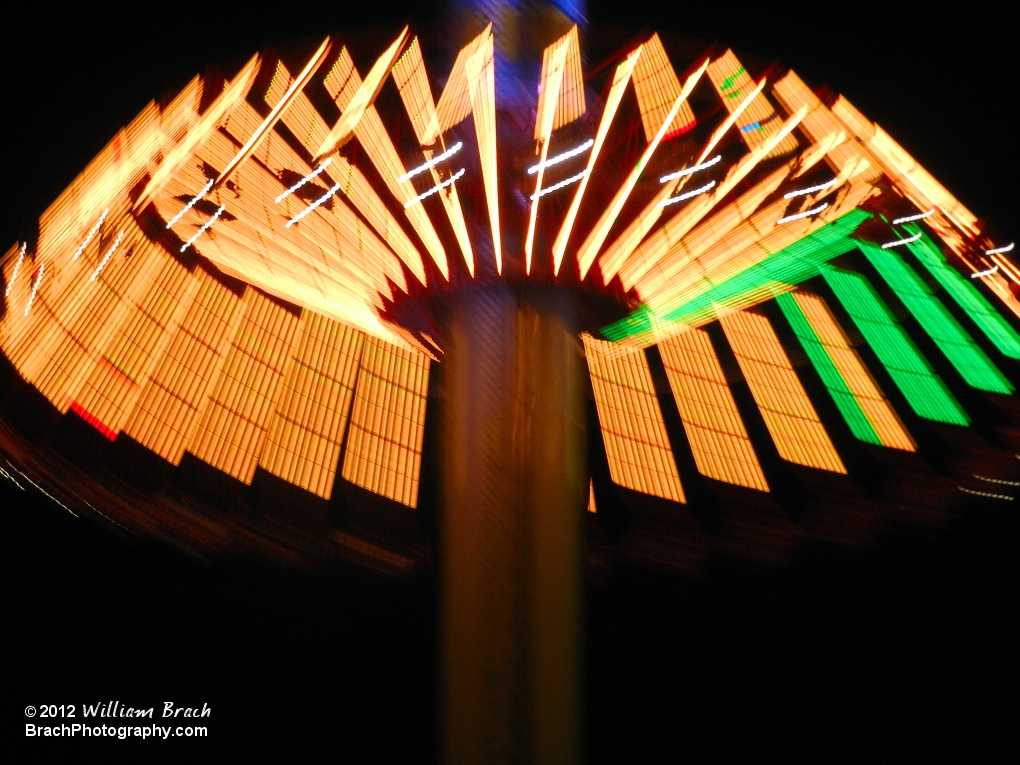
(35, 288)
(91, 233)
(560, 185)
(40, 488)
(109, 254)
(987, 272)
(687, 195)
(909, 218)
(303, 181)
(804, 214)
(996, 480)
(17, 268)
(690, 170)
(321, 200)
(997, 250)
(901, 242)
(431, 163)
(10, 478)
(809, 190)
(564, 156)
(434, 189)
(985, 494)
(205, 227)
(192, 203)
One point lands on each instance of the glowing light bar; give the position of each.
(809, 189)
(561, 157)
(919, 216)
(303, 181)
(900, 242)
(434, 189)
(205, 228)
(689, 170)
(688, 194)
(432, 162)
(560, 185)
(997, 250)
(984, 494)
(92, 233)
(109, 254)
(986, 272)
(17, 268)
(804, 214)
(321, 200)
(35, 288)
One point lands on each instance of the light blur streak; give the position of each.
(997, 250)
(689, 170)
(909, 218)
(35, 289)
(560, 185)
(901, 242)
(804, 214)
(985, 494)
(92, 233)
(482, 92)
(996, 480)
(40, 488)
(109, 254)
(432, 162)
(204, 228)
(562, 157)
(620, 79)
(321, 200)
(809, 189)
(688, 194)
(10, 478)
(274, 116)
(362, 100)
(589, 249)
(303, 181)
(987, 272)
(184, 210)
(17, 268)
(434, 189)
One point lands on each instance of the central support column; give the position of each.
(513, 497)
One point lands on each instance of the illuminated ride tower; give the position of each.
(778, 325)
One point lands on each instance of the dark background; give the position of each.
(903, 645)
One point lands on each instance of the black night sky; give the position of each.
(893, 648)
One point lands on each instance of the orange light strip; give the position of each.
(305, 434)
(568, 102)
(720, 444)
(455, 102)
(415, 92)
(553, 60)
(234, 93)
(362, 99)
(230, 429)
(640, 457)
(586, 254)
(657, 87)
(482, 91)
(759, 120)
(873, 404)
(342, 84)
(274, 116)
(383, 451)
(620, 79)
(791, 419)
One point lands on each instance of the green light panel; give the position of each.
(834, 382)
(775, 274)
(970, 361)
(966, 294)
(924, 391)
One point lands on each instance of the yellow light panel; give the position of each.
(568, 103)
(383, 451)
(873, 404)
(178, 384)
(759, 120)
(788, 413)
(720, 444)
(455, 102)
(657, 88)
(482, 92)
(640, 457)
(307, 429)
(229, 430)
